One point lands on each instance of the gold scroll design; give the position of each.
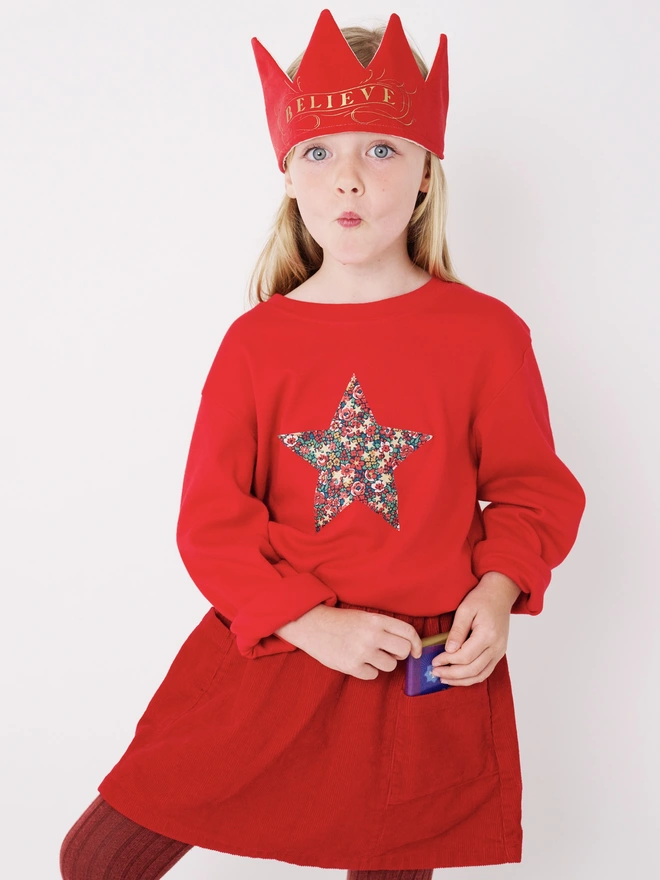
(378, 109)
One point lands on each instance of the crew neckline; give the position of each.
(392, 305)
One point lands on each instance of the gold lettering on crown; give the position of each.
(364, 104)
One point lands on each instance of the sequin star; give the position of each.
(356, 458)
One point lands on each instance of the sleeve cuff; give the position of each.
(255, 622)
(528, 570)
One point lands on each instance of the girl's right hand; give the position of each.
(352, 641)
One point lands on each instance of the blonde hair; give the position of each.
(291, 256)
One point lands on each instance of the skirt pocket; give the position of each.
(441, 739)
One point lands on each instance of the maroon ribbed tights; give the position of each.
(103, 844)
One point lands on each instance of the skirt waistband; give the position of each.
(424, 626)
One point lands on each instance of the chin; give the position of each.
(346, 259)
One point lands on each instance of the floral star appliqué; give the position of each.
(356, 458)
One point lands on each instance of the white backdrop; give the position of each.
(138, 186)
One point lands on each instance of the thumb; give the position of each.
(459, 631)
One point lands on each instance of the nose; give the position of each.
(348, 179)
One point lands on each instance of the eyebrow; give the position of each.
(323, 137)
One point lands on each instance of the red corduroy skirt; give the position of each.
(282, 758)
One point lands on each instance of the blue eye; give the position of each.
(387, 147)
(314, 147)
(375, 146)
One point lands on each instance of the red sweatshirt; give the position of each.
(340, 451)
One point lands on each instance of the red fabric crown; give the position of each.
(333, 92)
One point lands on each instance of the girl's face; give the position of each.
(375, 176)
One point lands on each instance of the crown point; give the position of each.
(326, 14)
(328, 62)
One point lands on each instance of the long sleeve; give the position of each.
(536, 503)
(222, 536)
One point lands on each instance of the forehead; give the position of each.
(351, 136)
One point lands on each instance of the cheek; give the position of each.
(311, 198)
(393, 189)
(395, 205)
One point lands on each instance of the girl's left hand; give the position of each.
(486, 610)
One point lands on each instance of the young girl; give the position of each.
(349, 424)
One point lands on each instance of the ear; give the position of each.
(288, 185)
(426, 180)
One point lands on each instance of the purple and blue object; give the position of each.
(419, 671)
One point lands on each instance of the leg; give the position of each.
(411, 874)
(105, 845)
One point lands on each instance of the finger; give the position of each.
(396, 645)
(402, 630)
(415, 641)
(472, 648)
(474, 672)
(460, 628)
(463, 682)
